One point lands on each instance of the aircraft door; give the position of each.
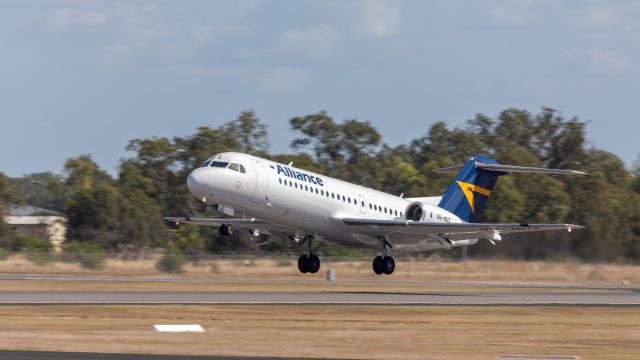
(262, 183)
(363, 203)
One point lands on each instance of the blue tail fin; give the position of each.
(470, 189)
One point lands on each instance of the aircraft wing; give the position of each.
(448, 231)
(247, 223)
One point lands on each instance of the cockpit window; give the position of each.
(237, 167)
(219, 164)
(206, 163)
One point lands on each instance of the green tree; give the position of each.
(7, 196)
(44, 190)
(93, 203)
(249, 133)
(341, 149)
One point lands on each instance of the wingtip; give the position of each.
(571, 227)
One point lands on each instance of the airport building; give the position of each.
(35, 221)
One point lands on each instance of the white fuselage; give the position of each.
(303, 200)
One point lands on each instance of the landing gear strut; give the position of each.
(226, 229)
(384, 264)
(309, 263)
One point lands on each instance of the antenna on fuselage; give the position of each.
(291, 163)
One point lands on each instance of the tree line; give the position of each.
(125, 212)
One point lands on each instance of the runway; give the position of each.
(50, 355)
(443, 298)
(380, 282)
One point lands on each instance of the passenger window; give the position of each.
(306, 188)
(322, 192)
(332, 195)
(296, 185)
(363, 204)
(343, 198)
(290, 183)
(280, 180)
(349, 200)
(370, 207)
(316, 190)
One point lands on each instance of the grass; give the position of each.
(366, 332)
(359, 269)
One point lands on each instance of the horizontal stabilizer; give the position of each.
(510, 169)
(526, 169)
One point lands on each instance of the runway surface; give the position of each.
(50, 355)
(480, 298)
(379, 282)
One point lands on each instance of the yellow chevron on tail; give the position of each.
(469, 189)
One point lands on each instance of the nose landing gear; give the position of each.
(226, 229)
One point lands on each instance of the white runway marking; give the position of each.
(179, 328)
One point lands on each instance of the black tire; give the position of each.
(223, 230)
(377, 265)
(303, 264)
(388, 265)
(313, 264)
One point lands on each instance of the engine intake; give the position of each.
(415, 211)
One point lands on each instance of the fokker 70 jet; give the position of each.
(300, 206)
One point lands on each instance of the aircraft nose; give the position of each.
(196, 183)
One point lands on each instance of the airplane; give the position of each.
(300, 206)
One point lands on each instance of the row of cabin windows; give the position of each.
(332, 195)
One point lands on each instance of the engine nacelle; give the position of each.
(416, 211)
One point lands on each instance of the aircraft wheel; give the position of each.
(377, 265)
(226, 229)
(313, 263)
(303, 264)
(388, 265)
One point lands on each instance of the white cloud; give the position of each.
(379, 18)
(284, 80)
(313, 42)
(611, 62)
(600, 16)
(246, 7)
(513, 12)
(62, 19)
(535, 83)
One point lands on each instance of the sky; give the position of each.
(85, 77)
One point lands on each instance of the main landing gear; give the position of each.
(226, 229)
(309, 263)
(384, 264)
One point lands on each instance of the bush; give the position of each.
(4, 254)
(171, 262)
(88, 255)
(37, 250)
(215, 268)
